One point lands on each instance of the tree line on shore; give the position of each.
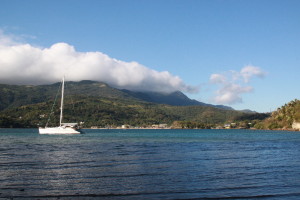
(113, 112)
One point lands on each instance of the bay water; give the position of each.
(150, 164)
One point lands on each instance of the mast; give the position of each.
(62, 101)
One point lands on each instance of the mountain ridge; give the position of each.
(98, 104)
(176, 98)
(18, 95)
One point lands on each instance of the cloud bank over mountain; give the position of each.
(26, 64)
(233, 84)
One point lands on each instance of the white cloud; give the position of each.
(218, 78)
(234, 84)
(7, 39)
(230, 93)
(249, 71)
(26, 64)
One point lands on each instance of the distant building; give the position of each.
(296, 125)
(159, 126)
(163, 126)
(233, 125)
(155, 126)
(42, 116)
(227, 126)
(124, 126)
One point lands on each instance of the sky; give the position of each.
(240, 53)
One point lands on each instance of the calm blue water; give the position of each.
(150, 164)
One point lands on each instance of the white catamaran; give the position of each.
(63, 128)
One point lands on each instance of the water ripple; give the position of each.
(145, 164)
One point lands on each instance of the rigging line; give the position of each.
(70, 95)
(51, 112)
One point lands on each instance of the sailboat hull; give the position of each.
(58, 130)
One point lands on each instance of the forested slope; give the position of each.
(98, 104)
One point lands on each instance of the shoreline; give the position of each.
(252, 129)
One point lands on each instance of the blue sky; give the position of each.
(251, 46)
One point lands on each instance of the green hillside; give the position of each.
(18, 95)
(104, 112)
(97, 104)
(283, 117)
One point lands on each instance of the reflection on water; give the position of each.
(147, 164)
